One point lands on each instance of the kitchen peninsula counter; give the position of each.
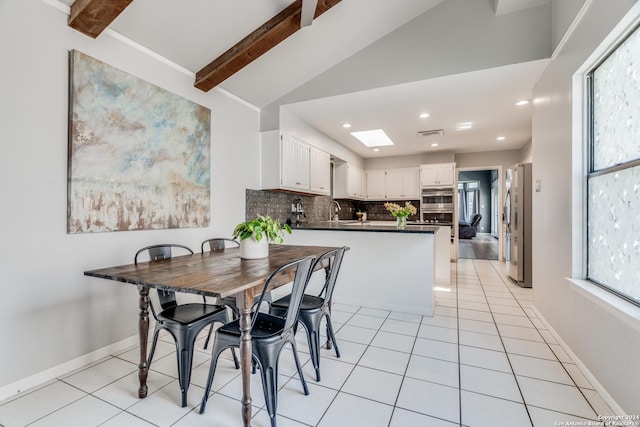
(375, 226)
(387, 268)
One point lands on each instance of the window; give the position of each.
(613, 181)
(468, 199)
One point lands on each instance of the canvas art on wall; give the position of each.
(139, 156)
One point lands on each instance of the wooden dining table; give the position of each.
(216, 274)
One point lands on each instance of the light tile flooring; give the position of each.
(483, 359)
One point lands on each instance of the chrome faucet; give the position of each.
(334, 216)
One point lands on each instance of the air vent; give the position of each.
(433, 132)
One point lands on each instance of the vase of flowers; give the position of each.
(256, 234)
(400, 213)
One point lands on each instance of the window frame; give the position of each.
(591, 171)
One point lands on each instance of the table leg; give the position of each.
(244, 303)
(143, 332)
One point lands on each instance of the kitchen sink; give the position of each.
(344, 221)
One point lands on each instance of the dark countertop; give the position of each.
(371, 226)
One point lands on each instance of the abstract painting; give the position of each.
(139, 155)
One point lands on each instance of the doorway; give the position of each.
(479, 225)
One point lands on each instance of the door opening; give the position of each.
(479, 207)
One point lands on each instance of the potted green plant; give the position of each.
(256, 234)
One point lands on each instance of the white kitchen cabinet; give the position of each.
(393, 184)
(438, 175)
(349, 182)
(294, 164)
(357, 187)
(376, 184)
(411, 183)
(319, 172)
(403, 183)
(290, 164)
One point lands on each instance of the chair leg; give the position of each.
(153, 347)
(298, 367)
(185, 360)
(206, 343)
(269, 375)
(235, 358)
(212, 371)
(313, 338)
(332, 335)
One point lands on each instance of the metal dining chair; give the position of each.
(269, 335)
(217, 244)
(220, 244)
(183, 321)
(314, 308)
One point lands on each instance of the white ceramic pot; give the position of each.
(250, 249)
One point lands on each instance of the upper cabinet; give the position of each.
(393, 184)
(376, 184)
(290, 164)
(319, 172)
(294, 164)
(349, 182)
(438, 175)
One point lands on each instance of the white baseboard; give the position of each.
(585, 371)
(19, 386)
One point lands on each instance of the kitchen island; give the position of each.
(386, 268)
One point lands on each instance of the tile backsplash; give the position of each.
(277, 204)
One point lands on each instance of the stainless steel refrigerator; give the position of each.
(518, 225)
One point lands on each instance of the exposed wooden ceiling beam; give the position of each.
(91, 17)
(256, 44)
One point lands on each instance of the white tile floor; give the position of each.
(483, 359)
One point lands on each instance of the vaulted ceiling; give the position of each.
(271, 61)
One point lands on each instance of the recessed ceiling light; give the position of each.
(376, 149)
(435, 144)
(522, 102)
(424, 115)
(500, 138)
(464, 126)
(373, 138)
(346, 125)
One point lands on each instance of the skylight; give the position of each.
(373, 138)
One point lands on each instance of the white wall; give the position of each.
(52, 313)
(291, 124)
(607, 345)
(526, 153)
(409, 161)
(421, 50)
(563, 13)
(506, 159)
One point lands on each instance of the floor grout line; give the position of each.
(523, 304)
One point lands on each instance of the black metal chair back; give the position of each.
(161, 252)
(300, 282)
(333, 261)
(269, 336)
(183, 322)
(218, 244)
(313, 309)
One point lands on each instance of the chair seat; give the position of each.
(309, 302)
(266, 326)
(189, 313)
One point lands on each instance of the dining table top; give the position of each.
(216, 273)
